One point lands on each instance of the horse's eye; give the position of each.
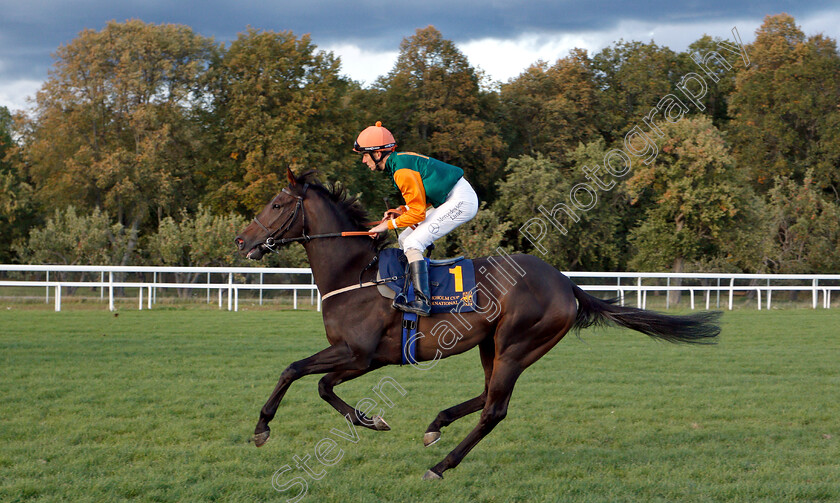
(275, 206)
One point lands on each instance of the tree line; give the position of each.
(153, 144)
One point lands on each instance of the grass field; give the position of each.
(160, 405)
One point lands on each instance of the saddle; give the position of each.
(451, 281)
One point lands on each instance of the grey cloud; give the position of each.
(31, 31)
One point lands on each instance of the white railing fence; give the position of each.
(706, 284)
(229, 281)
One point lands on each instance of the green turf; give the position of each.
(160, 405)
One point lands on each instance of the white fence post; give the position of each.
(731, 291)
(111, 290)
(769, 293)
(639, 293)
(57, 297)
(230, 291)
(619, 291)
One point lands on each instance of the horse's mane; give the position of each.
(347, 205)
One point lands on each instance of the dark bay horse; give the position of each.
(523, 308)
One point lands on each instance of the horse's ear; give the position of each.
(291, 177)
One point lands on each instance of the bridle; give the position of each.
(272, 242)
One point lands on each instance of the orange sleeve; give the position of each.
(411, 185)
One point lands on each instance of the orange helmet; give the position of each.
(375, 139)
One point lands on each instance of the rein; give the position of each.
(271, 242)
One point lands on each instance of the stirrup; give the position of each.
(422, 310)
(400, 302)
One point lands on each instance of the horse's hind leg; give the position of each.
(505, 374)
(452, 414)
(325, 389)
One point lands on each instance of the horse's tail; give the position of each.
(700, 328)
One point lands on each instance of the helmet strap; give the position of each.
(383, 155)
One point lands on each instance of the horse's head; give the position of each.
(282, 218)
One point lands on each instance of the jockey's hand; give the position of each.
(381, 227)
(392, 213)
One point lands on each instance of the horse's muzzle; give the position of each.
(255, 253)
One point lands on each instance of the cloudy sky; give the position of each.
(502, 37)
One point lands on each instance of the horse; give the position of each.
(528, 306)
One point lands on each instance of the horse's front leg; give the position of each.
(332, 359)
(358, 418)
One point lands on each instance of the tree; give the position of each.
(72, 238)
(205, 239)
(533, 189)
(17, 208)
(200, 240)
(718, 91)
(550, 110)
(785, 107)
(804, 227)
(691, 196)
(632, 77)
(433, 103)
(278, 103)
(113, 125)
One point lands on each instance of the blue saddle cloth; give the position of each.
(451, 284)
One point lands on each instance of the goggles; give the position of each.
(359, 148)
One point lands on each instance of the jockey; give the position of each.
(437, 200)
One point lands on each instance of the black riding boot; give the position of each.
(419, 272)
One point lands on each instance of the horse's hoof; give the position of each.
(261, 438)
(431, 437)
(379, 424)
(430, 475)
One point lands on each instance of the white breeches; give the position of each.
(460, 206)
